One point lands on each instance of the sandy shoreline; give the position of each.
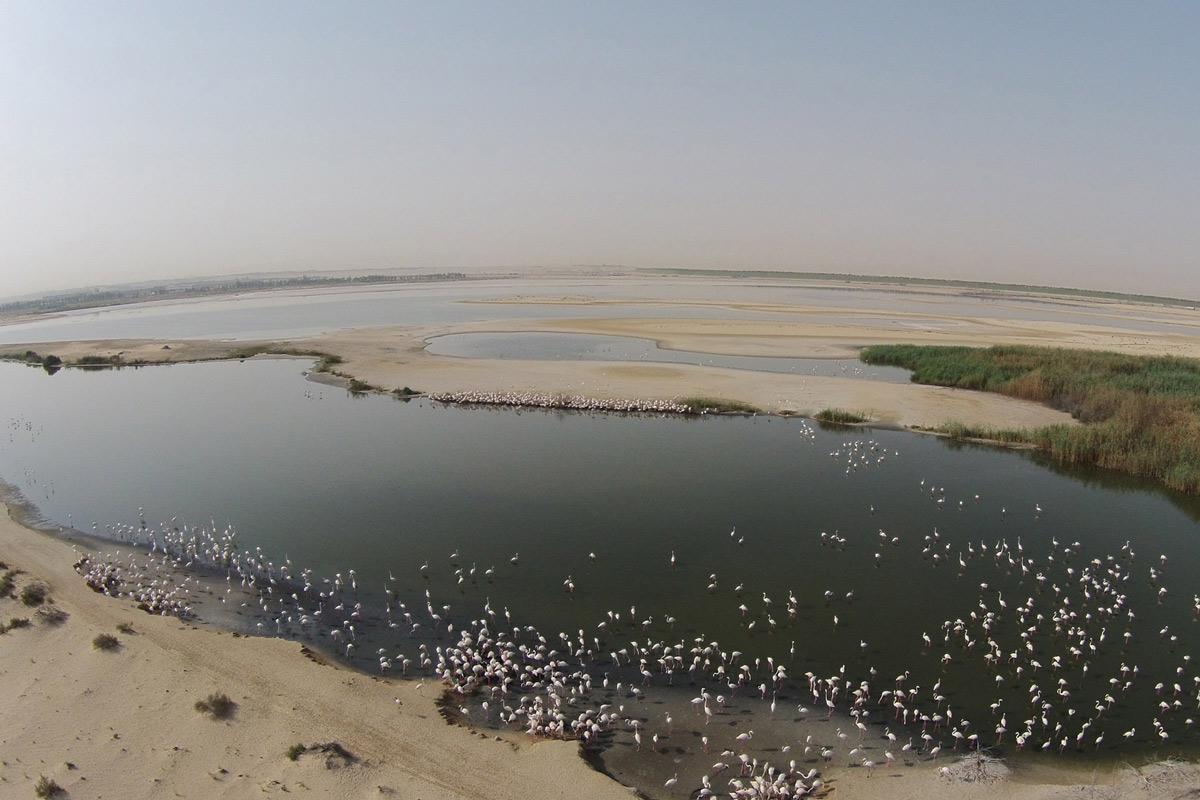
(121, 724)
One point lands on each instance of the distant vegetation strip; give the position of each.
(52, 363)
(93, 298)
(940, 282)
(1140, 414)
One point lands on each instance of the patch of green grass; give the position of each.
(106, 641)
(295, 751)
(840, 416)
(698, 405)
(217, 705)
(1140, 414)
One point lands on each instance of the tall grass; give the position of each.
(700, 405)
(1141, 414)
(839, 416)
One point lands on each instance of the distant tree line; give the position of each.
(92, 298)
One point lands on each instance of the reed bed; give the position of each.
(1141, 414)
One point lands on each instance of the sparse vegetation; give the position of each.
(106, 641)
(98, 362)
(6, 582)
(51, 615)
(50, 363)
(34, 594)
(1141, 414)
(126, 628)
(699, 405)
(327, 361)
(46, 787)
(217, 705)
(839, 416)
(295, 751)
(336, 756)
(404, 392)
(270, 348)
(358, 387)
(14, 624)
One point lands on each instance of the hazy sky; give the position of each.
(1039, 142)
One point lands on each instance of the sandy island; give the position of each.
(393, 357)
(121, 723)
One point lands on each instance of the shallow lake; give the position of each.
(834, 552)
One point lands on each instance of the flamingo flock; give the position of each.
(1059, 631)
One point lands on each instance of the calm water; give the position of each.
(290, 314)
(928, 538)
(546, 346)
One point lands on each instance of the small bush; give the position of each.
(357, 387)
(701, 405)
(840, 416)
(47, 787)
(126, 628)
(295, 751)
(34, 594)
(217, 705)
(6, 583)
(106, 641)
(18, 622)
